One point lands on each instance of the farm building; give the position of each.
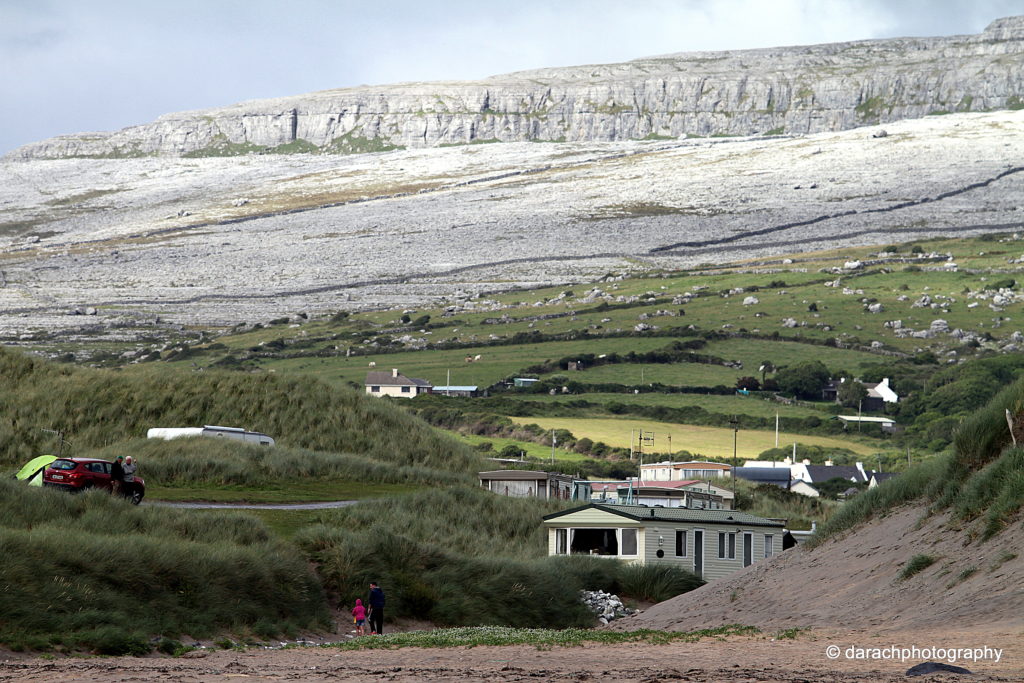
(395, 384)
(528, 484)
(214, 431)
(462, 390)
(710, 543)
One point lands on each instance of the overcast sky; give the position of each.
(70, 66)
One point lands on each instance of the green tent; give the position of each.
(33, 470)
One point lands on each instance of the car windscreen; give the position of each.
(63, 465)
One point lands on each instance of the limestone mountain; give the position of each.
(786, 90)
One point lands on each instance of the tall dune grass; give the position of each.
(464, 556)
(93, 571)
(96, 408)
(199, 460)
(981, 478)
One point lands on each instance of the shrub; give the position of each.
(917, 563)
(107, 575)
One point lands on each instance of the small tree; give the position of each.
(851, 393)
(748, 383)
(803, 380)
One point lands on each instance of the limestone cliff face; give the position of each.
(791, 90)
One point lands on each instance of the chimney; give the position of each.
(806, 461)
(788, 460)
(829, 463)
(394, 372)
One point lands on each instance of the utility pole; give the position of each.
(552, 446)
(735, 422)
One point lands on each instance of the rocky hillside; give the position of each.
(790, 90)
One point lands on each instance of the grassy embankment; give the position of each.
(94, 572)
(458, 555)
(980, 480)
(463, 556)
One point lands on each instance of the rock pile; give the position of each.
(606, 606)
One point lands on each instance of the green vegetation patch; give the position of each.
(98, 407)
(468, 557)
(539, 637)
(92, 571)
(916, 564)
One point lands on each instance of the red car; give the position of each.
(78, 474)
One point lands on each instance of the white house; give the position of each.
(395, 384)
(710, 543)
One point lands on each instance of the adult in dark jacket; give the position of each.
(116, 476)
(376, 602)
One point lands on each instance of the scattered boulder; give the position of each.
(925, 668)
(606, 606)
(751, 301)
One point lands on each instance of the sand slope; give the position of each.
(852, 582)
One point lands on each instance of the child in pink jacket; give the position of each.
(359, 616)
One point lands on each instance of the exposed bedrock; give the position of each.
(790, 90)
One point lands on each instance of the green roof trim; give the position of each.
(642, 513)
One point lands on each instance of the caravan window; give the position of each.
(628, 542)
(561, 541)
(680, 543)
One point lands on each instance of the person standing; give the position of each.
(359, 617)
(129, 479)
(376, 609)
(116, 475)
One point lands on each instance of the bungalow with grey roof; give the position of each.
(395, 384)
(710, 543)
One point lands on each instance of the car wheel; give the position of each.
(136, 496)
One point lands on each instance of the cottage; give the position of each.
(710, 543)
(528, 484)
(396, 384)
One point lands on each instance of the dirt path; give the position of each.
(759, 658)
(256, 506)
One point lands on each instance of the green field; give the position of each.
(687, 374)
(495, 364)
(714, 442)
(532, 450)
(713, 403)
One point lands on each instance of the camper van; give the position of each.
(235, 433)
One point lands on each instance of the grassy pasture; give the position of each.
(496, 363)
(691, 374)
(706, 441)
(713, 403)
(532, 450)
